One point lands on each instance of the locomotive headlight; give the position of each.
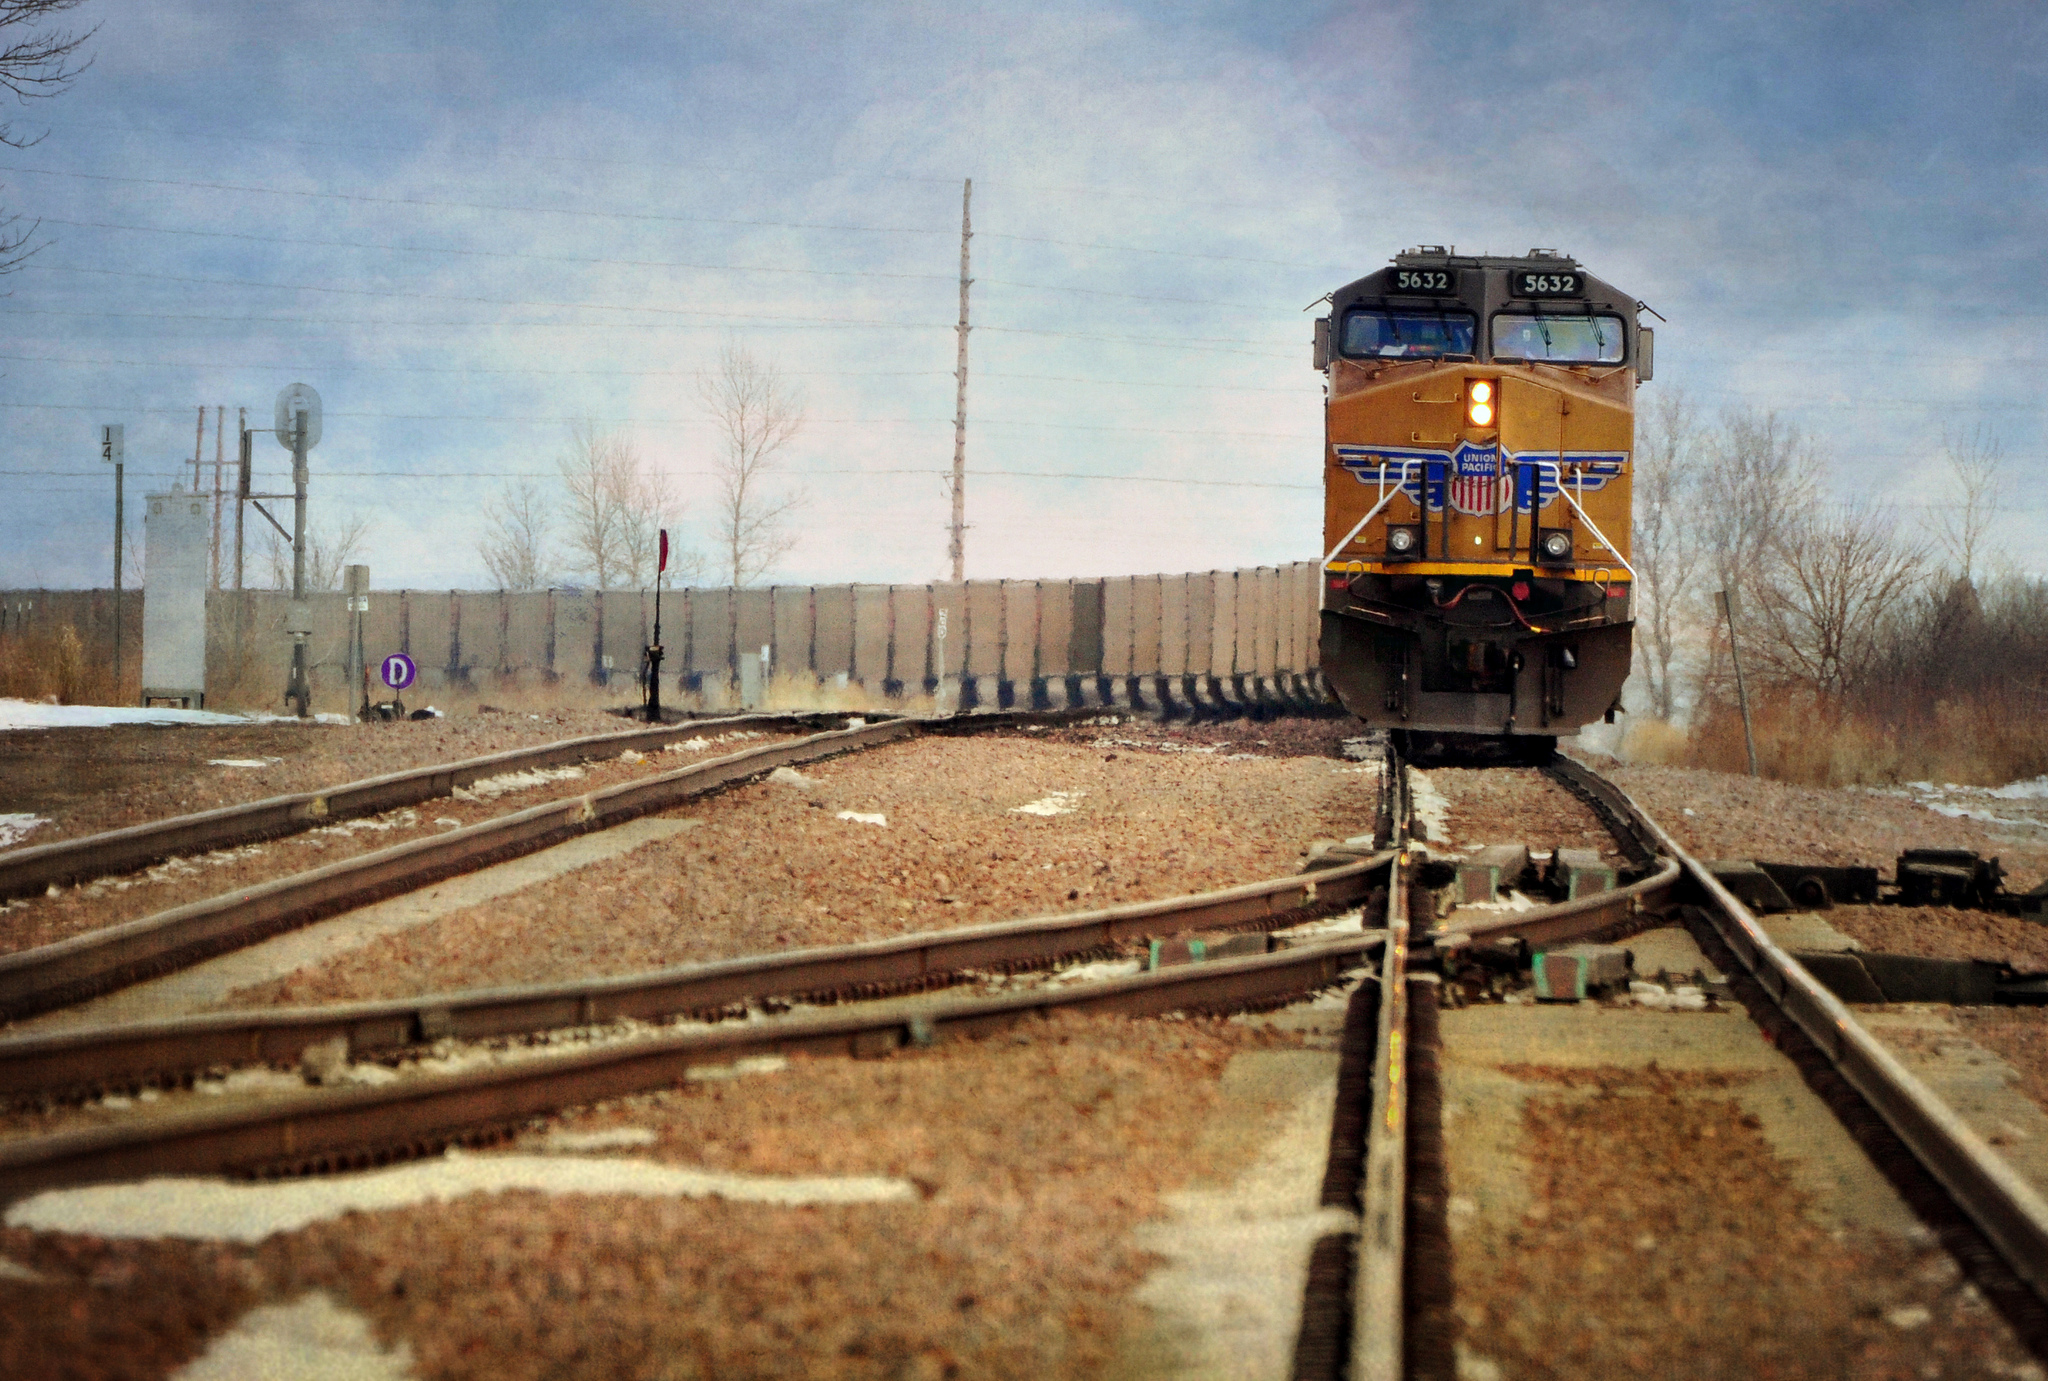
(1479, 403)
(1555, 545)
(1403, 542)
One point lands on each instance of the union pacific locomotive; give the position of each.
(1479, 420)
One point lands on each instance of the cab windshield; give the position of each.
(1382, 333)
(1558, 339)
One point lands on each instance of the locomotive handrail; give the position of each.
(1535, 505)
(1386, 497)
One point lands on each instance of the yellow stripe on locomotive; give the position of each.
(1480, 417)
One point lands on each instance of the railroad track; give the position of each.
(1380, 1307)
(1376, 1304)
(721, 1003)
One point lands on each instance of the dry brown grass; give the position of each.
(53, 665)
(1986, 740)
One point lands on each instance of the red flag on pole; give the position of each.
(664, 552)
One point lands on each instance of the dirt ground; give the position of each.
(85, 780)
(958, 831)
(1035, 1154)
(1657, 1209)
(1718, 815)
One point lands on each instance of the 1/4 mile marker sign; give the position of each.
(399, 671)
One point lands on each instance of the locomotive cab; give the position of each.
(1479, 426)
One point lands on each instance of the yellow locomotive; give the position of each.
(1479, 421)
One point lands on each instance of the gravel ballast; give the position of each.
(977, 829)
(86, 780)
(1034, 1155)
(62, 912)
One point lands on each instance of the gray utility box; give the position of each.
(175, 532)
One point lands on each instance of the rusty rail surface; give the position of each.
(28, 870)
(107, 1056)
(56, 974)
(317, 1130)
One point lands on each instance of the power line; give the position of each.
(495, 253)
(480, 301)
(473, 205)
(351, 367)
(325, 476)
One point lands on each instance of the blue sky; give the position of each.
(468, 225)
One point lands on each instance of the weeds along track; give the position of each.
(1406, 1296)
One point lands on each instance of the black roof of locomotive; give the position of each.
(1599, 295)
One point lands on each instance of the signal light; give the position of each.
(1520, 590)
(1479, 403)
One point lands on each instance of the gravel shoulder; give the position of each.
(86, 780)
(980, 829)
(62, 912)
(1035, 1155)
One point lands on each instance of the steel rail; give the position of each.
(2009, 1211)
(1571, 920)
(100, 1057)
(29, 870)
(362, 1126)
(1378, 1310)
(53, 975)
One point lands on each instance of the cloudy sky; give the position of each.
(470, 225)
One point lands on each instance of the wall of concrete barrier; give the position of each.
(1223, 640)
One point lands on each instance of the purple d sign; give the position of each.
(399, 671)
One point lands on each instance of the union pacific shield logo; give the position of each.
(1476, 486)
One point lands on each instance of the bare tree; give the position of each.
(598, 471)
(1666, 546)
(1840, 578)
(1961, 520)
(651, 505)
(617, 504)
(328, 551)
(757, 414)
(514, 546)
(37, 64)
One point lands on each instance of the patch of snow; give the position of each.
(15, 828)
(1909, 1316)
(1683, 998)
(30, 714)
(2034, 790)
(630, 756)
(863, 818)
(605, 1139)
(242, 762)
(1430, 806)
(740, 1068)
(490, 788)
(311, 1336)
(1052, 803)
(688, 745)
(1361, 750)
(789, 776)
(238, 1211)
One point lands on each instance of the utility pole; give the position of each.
(112, 451)
(198, 445)
(220, 418)
(241, 489)
(299, 690)
(958, 547)
(1741, 692)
